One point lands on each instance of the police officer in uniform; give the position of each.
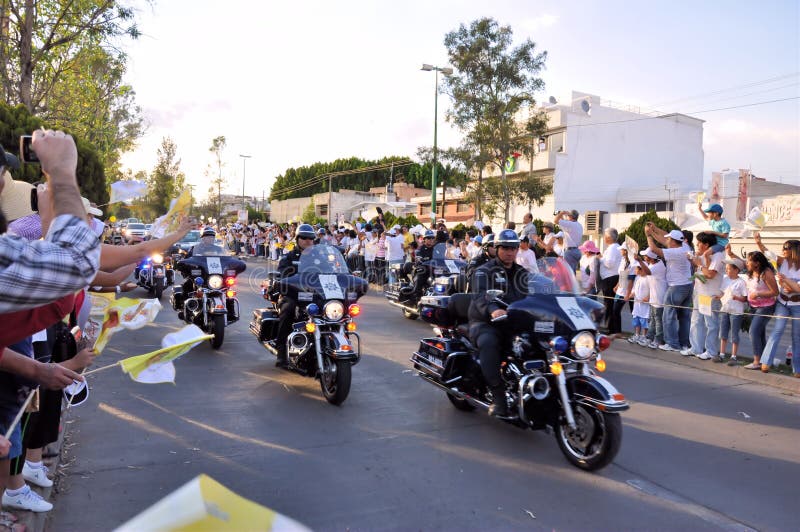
(423, 254)
(304, 239)
(500, 273)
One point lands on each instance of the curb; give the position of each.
(783, 382)
(37, 522)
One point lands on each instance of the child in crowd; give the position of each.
(734, 296)
(719, 227)
(655, 272)
(641, 305)
(589, 265)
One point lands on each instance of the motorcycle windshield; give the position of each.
(322, 258)
(201, 250)
(440, 251)
(554, 277)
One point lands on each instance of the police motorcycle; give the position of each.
(551, 369)
(207, 297)
(323, 342)
(155, 274)
(440, 276)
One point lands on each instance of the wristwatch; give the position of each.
(117, 288)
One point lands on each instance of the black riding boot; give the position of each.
(499, 406)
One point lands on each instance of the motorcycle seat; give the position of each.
(458, 307)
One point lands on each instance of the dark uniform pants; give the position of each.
(286, 317)
(487, 339)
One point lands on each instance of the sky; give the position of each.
(294, 82)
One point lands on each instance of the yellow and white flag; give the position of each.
(127, 190)
(156, 366)
(168, 223)
(205, 504)
(125, 313)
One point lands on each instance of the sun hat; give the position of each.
(15, 200)
(736, 261)
(589, 247)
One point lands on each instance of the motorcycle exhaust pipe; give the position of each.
(192, 304)
(400, 305)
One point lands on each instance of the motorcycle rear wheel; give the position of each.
(335, 380)
(158, 289)
(218, 330)
(595, 441)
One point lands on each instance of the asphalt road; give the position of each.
(700, 450)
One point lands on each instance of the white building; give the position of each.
(607, 158)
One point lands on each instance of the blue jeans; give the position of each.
(770, 351)
(758, 329)
(573, 258)
(656, 330)
(677, 321)
(705, 329)
(730, 325)
(392, 276)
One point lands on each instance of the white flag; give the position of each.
(127, 190)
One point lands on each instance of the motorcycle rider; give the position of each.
(500, 273)
(304, 239)
(488, 252)
(206, 246)
(423, 254)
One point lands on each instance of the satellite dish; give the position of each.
(553, 100)
(587, 107)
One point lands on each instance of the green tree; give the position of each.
(166, 181)
(309, 216)
(214, 171)
(41, 37)
(16, 121)
(492, 88)
(636, 229)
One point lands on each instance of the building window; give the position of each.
(658, 206)
(463, 207)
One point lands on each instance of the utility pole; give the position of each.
(390, 188)
(330, 199)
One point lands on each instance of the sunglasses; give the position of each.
(305, 238)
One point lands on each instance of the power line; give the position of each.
(687, 113)
(319, 179)
(719, 91)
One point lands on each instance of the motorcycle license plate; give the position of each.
(432, 358)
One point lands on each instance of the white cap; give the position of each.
(675, 235)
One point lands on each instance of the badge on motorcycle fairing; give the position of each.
(305, 296)
(451, 265)
(575, 313)
(544, 327)
(214, 265)
(330, 286)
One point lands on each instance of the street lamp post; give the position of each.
(447, 71)
(244, 173)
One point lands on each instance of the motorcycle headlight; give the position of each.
(334, 310)
(215, 282)
(158, 258)
(583, 345)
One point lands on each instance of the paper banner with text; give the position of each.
(127, 190)
(125, 313)
(205, 504)
(633, 248)
(178, 208)
(156, 367)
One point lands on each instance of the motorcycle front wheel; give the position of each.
(335, 380)
(218, 330)
(594, 442)
(158, 289)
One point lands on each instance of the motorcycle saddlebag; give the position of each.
(265, 324)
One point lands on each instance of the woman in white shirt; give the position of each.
(788, 304)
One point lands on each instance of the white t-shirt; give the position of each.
(609, 262)
(527, 259)
(573, 233)
(587, 272)
(394, 248)
(789, 273)
(624, 276)
(473, 250)
(657, 282)
(733, 287)
(370, 250)
(641, 291)
(679, 269)
(712, 287)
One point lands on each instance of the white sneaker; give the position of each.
(633, 339)
(642, 341)
(666, 347)
(653, 345)
(687, 352)
(36, 475)
(704, 356)
(26, 500)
